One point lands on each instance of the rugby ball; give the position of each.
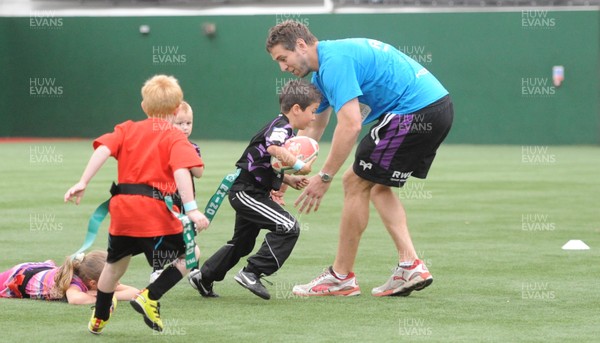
(304, 148)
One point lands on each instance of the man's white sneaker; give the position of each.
(404, 280)
(328, 284)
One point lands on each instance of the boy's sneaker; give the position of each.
(205, 290)
(149, 308)
(328, 284)
(252, 282)
(96, 325)
(404, 280)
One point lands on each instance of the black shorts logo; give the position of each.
(365, 165)
(400, 176)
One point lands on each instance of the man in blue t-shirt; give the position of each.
(365, 81)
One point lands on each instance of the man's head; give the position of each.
(161, 95)
(293, 46)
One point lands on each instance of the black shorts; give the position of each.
(400, 146)
(159, 251)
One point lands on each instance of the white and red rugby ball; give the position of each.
(304, 148)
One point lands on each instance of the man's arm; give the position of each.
(349, 124)
(346, 132)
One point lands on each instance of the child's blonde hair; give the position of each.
(161, 95)
(184, 108)
(88, 269)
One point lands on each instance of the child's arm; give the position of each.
(277, 196)
(125, 292)
(197, 171)
(100, 155)
(296, 182)
(76, 297)
(288, 158)
(184, 186)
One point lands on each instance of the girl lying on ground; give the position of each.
(75, 281)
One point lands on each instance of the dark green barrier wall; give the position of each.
(77, 77)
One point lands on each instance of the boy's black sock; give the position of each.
(103, 303)
(167, 279)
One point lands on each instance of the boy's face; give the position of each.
(184, 121)
(306, 116)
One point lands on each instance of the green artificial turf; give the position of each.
(489, 222)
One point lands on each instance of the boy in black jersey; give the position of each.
(250, 197)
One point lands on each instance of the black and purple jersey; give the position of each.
(197, 148)
(257, 161)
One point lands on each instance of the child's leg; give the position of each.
(241, 244)
(107, 283)
(278, 243)
(112, 273)
(273, 253)
(168, 253)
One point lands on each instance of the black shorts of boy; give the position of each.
(159, 251)
(400, 146)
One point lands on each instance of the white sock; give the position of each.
(405, 264)
(339, 276)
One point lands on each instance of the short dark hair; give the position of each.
(298, 92)
(287, 33)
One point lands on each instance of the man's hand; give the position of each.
(312, 195)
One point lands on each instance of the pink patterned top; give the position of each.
(39, 285)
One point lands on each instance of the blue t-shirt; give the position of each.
(382, 78)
